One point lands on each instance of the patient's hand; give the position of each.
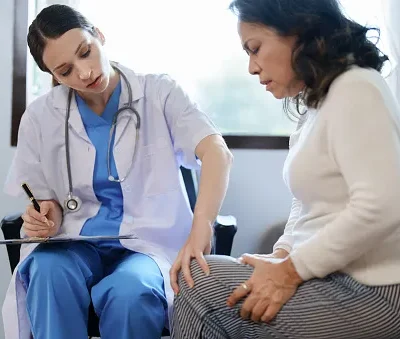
(44, 224)
(278, 253)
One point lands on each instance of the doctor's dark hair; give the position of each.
(51, 23)
(327, 43)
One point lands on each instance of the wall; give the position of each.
(257, 197)
(7, 205)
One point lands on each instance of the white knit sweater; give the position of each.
(343, 169)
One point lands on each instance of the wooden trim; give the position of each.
(19, 66)
(257, 142)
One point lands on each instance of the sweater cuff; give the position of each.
(301, 268)
(282, 246)
(285, 242)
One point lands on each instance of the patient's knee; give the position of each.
(214, 262)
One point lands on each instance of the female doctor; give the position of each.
(96, 172)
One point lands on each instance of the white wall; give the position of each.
(7, 205)
(256, 196)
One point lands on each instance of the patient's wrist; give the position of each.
(280, 253)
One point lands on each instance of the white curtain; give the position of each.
(390, 33)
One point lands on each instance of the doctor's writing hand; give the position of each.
(268, 289)
(45, 223)
(198, 244)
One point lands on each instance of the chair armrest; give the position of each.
(11, 228)
(225, 228)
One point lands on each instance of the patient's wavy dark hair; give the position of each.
(327, 41)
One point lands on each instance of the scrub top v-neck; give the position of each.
(109, 193)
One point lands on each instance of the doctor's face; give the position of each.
(270, 57)
(77, 60)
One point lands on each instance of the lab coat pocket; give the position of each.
(160, 168)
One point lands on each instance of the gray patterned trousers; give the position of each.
(336, 307)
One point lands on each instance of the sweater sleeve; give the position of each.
(286, 240)
(364, 142)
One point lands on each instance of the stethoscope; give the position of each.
(73, 203)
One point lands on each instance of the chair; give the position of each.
(224, 232)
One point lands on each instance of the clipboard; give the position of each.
(37, 240)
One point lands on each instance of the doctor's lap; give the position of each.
(126, 288)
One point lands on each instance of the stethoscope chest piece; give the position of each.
(72, 203)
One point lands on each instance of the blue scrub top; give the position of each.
(109, 217)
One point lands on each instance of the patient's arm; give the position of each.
(285, 242)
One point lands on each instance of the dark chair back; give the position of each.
(191, 185)
(11, 227)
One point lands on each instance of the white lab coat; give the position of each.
(156, 208)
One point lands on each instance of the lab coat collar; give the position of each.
(60, 100)
(137, 88)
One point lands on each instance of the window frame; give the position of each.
(20, 29)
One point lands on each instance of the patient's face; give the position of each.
(270, 58)
(77, 60)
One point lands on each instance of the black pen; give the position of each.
(31, 196)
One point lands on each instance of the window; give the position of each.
(368, 13)
(197, 44)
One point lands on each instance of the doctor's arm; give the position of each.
(196, 140)
(216, 162)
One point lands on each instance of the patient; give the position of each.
(338, 275)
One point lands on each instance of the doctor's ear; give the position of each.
(100, 35)
(54, 81)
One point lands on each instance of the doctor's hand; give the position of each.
(198, 244)
(269, 288)
(44, 224)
